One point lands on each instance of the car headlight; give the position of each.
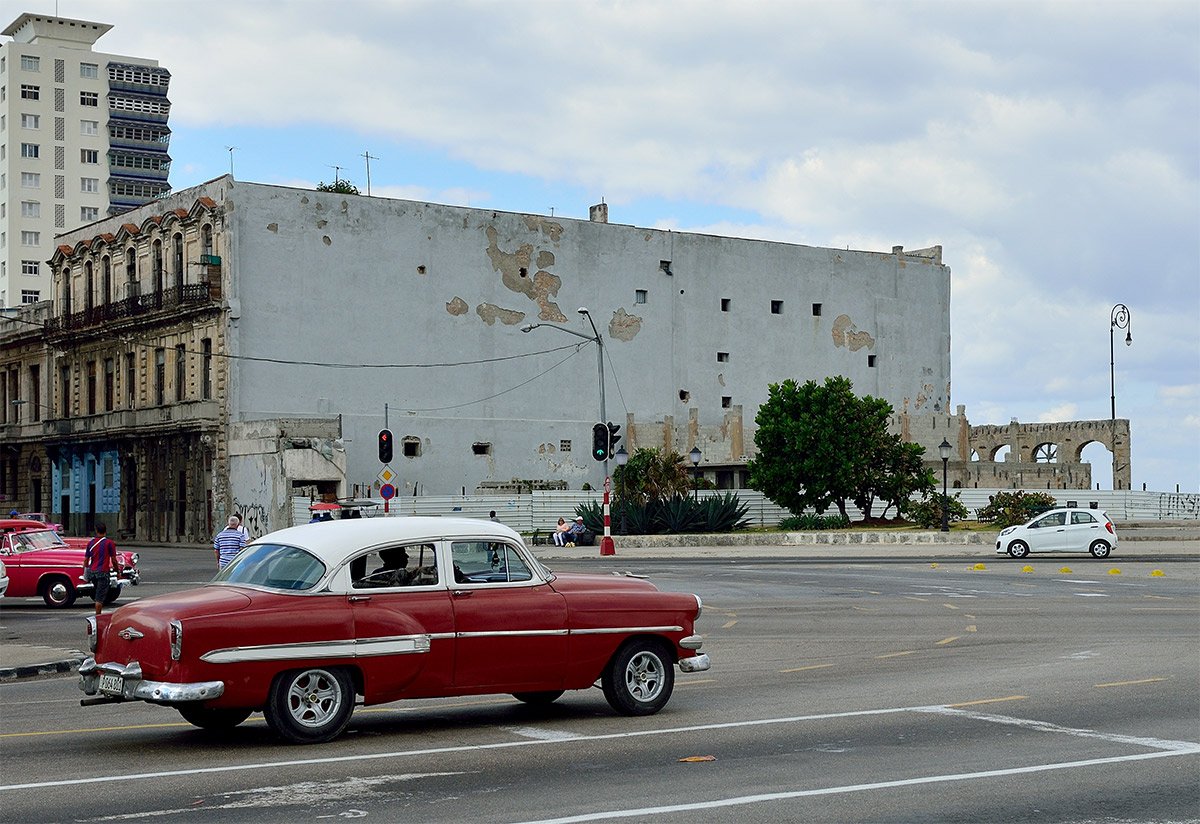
(133, 559)
(1008, 530)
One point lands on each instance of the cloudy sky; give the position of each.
(1051, 148)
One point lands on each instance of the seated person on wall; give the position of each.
(578, 534)
(560, 532)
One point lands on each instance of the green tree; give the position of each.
(822, 445)
(652, 475)
(342, 187)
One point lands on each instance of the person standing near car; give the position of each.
(100, 557)
(229, 542)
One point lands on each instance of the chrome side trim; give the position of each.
(618, 630)
(511, 633)
(697, 663)
(362, 648)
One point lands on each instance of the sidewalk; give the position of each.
(21, 661)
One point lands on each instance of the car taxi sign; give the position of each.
(387, 492)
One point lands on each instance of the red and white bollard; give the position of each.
(606, 543)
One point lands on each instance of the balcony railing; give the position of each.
(190, 294)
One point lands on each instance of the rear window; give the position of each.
(273, 566)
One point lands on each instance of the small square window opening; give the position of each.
(725, 304)
(722, 357)
(871, 361)
(481, 448)
(726, 401)
(816, 310)
(776, 307)
(639, 296)
(564, 446)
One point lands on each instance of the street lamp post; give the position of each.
(1119, 319)
(595, 336)
(622, 458)
(695, 456)
(944, 448)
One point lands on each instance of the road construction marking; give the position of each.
(1129, 683)
(809, 667)
(915, 598)
(971, 628)
(728, 624)
(949, 640)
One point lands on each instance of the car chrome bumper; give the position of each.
(116, 682)
(696, 663)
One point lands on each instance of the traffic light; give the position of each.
(613, 438)
(385, 446)
(600, 442)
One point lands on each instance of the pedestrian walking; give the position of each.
(229, 542)
(99, 558)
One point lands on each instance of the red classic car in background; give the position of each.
(305, 619)
(40, 562)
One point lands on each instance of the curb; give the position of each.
(45, 670)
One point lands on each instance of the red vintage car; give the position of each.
(40, 562)
(305, 619)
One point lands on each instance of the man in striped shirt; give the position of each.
(229, 542)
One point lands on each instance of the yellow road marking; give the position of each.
(1160, 597)
(951, 639)
(949, 606)
(728, 624)
(915, 598)
(897, 654)
(1128, 683)
(809, 667)
(989, 701)
(93, 729)
(969, 617)
(971, 628)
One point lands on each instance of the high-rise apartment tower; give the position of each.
(83, 135)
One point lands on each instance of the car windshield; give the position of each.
(37, 539)
(273, 566)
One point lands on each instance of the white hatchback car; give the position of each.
(1061, 530)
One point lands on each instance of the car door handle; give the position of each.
(462, 593)
(356, 598)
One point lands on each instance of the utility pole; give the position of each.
(230, 149)
(369, 157)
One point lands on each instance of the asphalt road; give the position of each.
(892, 691)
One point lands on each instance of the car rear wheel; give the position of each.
(207, 718)
(1018, 549)
(538, 699)
(58, 592)
(639, 679)
(310, 706)
(1099, 549)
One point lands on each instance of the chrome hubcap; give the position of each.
(314, 698)
(644, 676)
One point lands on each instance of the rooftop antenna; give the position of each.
(230, 149)
(336, 169)
(369, 157)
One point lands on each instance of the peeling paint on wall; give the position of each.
(550, 228)
(492, 313)
(458, 306)
(623, 326)
(514, 267)
(845, 333)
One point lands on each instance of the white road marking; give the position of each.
(1091, 594)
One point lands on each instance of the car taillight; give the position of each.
(176, 640)
(1108, 526)
(91, 633)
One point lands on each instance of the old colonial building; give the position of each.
(233, 345)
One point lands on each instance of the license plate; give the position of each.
(111, 684)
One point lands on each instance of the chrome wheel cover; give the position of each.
(314, 697)
(644, 676)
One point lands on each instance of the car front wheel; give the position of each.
(1099, 549)
(1018, 549)
(207, 718)
(310, 706)
(639, 679)
(58, 592)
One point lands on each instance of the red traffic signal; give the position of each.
(385, 446)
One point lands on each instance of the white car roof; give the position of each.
(335, 541)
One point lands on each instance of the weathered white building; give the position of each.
(341, 310)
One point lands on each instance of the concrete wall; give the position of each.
(321, 277)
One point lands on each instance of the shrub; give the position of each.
(927, 512)
(679, 513)
(808, 522)
(1012, 508)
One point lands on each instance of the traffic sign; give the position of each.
(387, 492)
(386, 475)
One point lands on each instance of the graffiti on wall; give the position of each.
(1174, 505)
(254, 518)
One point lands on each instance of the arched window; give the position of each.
(131, 275)
(157, 266)
(206, 247)
(89, 286)
(66, 291)
(106, 279)
(177, 261)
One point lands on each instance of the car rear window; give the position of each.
(273, 566)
